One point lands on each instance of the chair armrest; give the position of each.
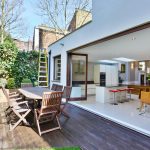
(24, 102)
(16, 99)
(11, 96)
(12, 93)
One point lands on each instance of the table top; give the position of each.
(33, 92)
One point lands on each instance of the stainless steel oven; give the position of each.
(102, 79)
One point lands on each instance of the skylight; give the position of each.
(108, 61)
(123, 59)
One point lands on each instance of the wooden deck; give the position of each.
(83, 129)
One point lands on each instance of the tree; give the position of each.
(59, 13)
(10, 17)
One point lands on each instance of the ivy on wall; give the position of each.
(25, 66)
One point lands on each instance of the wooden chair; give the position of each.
(65, 99)
(50, 109)
(12, 98)
(145, 99)
(59, 88)
(54, 86)
(21, 111)
(9, 95)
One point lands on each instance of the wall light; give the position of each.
(132, 65)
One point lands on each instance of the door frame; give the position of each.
(69, 61)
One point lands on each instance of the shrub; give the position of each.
(11, 83)
(26, 81)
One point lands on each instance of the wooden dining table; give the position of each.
(34, 93)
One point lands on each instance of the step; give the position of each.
(43, 81)
(42, 72)
(42, 86)
(42, 67)
(42, 76)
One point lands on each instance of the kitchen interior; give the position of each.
(104, 75)
(118, 73)
(120, 63)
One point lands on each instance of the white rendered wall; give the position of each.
(36, 39)
(109, 17)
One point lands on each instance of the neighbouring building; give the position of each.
(80, 18)
(44, 36)
(23, 45)
(109, 54)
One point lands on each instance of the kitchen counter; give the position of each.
(104, 96)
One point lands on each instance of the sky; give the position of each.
(31, 19)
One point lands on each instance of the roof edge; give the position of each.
(70, 33)
(116, 35)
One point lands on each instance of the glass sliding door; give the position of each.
(77, 75)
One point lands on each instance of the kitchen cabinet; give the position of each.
(111, 73)
(96, 73)
(102, 68)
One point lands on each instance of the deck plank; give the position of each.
(83, 129)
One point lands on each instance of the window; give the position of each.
(57, 68)
(142, 66)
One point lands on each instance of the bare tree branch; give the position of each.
(10, 17)
(60, 12)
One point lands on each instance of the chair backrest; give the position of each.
(145, 97)
(54, 86)
(67, 92)
(51, 102)
(59, 88)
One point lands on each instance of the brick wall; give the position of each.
(47, 37)
(23, 45)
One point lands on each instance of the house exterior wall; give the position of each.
(47, 38)
(23, 45)
(44, 36)
(109, 17)
(36, 39)
(80, 18)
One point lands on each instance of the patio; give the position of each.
(126, 114)
(83, 129)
